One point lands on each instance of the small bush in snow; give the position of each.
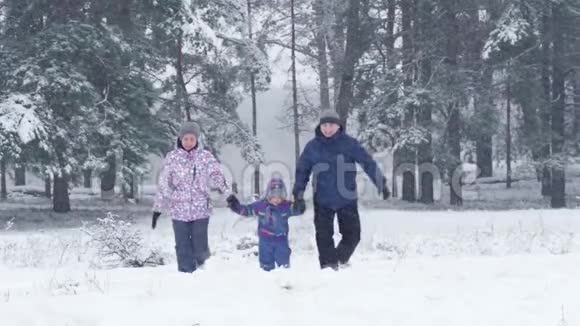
(247, 243)
(9, 224)
(66, 286)
(119, 243)
(392, 250)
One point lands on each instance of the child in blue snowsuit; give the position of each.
(273, 212)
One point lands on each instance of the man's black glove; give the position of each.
(233, 202)
(154, 220)
(386, 192)
(299, 205)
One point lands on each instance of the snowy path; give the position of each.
(477, 268)
(522, 290)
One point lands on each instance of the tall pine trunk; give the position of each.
(454, 119)
(3, 190)
(484, 105)
(425, 152)
(455, 169)
(321, 55)
(61, 199)
(484, 141)
(20, 174)
(336, 47)
(391, 66)
(407, 153)
(484, 153)
(394, 182)
(255, 132)
(545, 152)
(129, 188)
(508, 131)
(87, 178)
(48, 186)
(558, 109)
(351, 56)
(295, 88)
(108, 179)
(254, 104)
(182, 95)
(576, 103)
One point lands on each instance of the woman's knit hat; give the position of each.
(190, 127)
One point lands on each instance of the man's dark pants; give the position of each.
(349, 228)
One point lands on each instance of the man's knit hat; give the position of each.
(190, 127)
(329, 116)
(276, 188)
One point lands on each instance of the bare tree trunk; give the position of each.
(455, 169)
(295, 88)
(336, 46)
(395, 185)
(484, 141)
(484, 153)
(576, 87)
(352, 54)
(391, 66)
(3, 189)
(454, 122)
(558, 109)
(508, 131)
(182, 94)
(61, 199)
(20, 174)
(129, 188)
(546, 115)
(108, 179)
(425, 152)
(322, 55)
(254, 104)
(255, 133)
(391, 10)
(48, 187)
(87, 178)
(407, 153)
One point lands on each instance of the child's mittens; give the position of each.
(233, 203)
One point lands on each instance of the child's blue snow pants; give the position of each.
(274, 251)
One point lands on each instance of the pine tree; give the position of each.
(425, 112)
(407, 152)
(208, 46)
(558, 193)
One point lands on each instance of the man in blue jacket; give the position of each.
(331, 157)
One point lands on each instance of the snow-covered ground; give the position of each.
(412, 268)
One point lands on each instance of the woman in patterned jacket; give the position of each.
(187, 175)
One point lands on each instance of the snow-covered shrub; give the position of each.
(391, 249)
(9, 224)
(48, 249)
(64, 286)
(119, 243)
(29, 252)
(247, 243)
